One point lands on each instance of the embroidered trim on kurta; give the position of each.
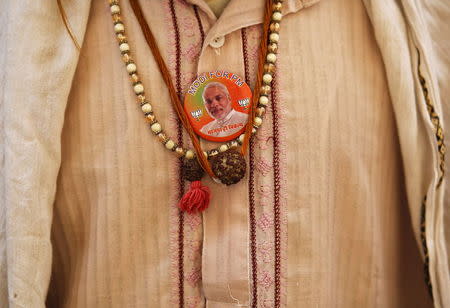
(177, 241)
(439, 134)
(434, 117)
(268, 261)
(199, 22)
(186, 245)
(251, 191)
(426, 265)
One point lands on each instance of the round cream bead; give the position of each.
(277, 6)
(274, 27)
(271, 57)
(156, 128)
(274, 37)
(233, 144)
(119, 28)
(138, 88)
(179, 151)
(115, 9)
(124, 47)
(257, 121)
(266, 89)
(146, 108)
(162, 137)
(134, 78)
(253, 130)
(141, 98)
(189, 154)
(241, 138)
(126, 58)
(223, 148)
(277, 16)
(260, 111)
(273, 47)
(131, 68)
(264, 100)
(170, 144)
(150, 118)
(267, 78)
(205, 154)
(121, 37)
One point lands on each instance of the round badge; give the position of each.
(217, 105)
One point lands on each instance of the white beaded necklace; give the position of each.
(147, 108)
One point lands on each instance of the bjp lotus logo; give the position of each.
(196, 114)
(244, 102)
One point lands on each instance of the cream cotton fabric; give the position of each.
(88, 212)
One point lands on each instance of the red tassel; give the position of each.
(196, 199)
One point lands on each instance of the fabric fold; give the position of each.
(37, 73)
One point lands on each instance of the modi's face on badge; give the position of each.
(217, 100)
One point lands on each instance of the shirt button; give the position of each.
(217, 42)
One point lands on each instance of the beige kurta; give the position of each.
(347, 155)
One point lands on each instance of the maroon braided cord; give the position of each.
(202, 34)
(276, 190)
(245, 53)
(199, 22)
(180, 165)
(251, 189)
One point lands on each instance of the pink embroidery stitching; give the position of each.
(187, 79)
(188, 26)
(264, 141)
(254, 33)
(194, 247)
(192, 301)
(266, 279)
(193, 276)
(190, 295)
(265, 221)
(266, 250)
(192, 52)
(173, 231)
(264, 202)
(264, 190)
(193, 221)
(263, 166)
(268, 303)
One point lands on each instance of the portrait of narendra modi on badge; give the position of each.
(227, 121)
(218, 106)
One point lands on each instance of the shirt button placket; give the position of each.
(217, 42)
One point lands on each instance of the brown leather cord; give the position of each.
(175, 100)
(261, 61)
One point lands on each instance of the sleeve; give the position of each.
(37, 62)
(412, 37)
(437, 16)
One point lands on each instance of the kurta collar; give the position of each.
(240, 14)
